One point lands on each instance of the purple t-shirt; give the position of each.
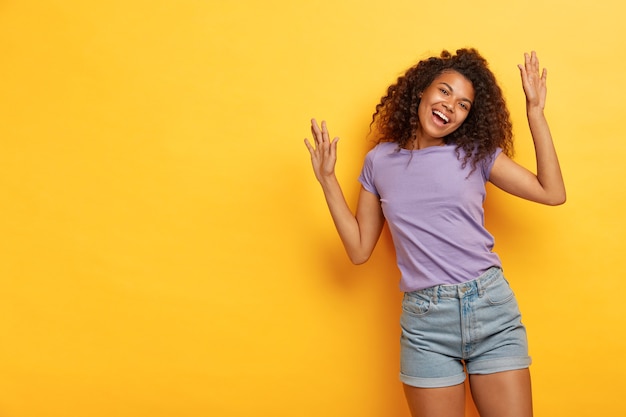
(434, 209)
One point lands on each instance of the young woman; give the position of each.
(444, 131)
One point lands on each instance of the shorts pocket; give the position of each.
(416, 303)
(499, 292)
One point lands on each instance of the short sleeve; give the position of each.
(488, 163)
(367, 173)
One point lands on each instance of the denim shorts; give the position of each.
(450, 329)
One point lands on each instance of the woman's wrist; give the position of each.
(328, 180)
(534, 110)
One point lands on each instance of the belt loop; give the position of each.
(436, 294)
(481, 289)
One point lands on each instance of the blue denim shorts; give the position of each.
(450, 329)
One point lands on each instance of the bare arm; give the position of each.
(547, 185)
(359, 233)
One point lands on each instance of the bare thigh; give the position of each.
(503, 394)
(436, 402)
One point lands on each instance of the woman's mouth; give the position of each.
(444, 119)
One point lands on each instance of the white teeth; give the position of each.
(443, 116)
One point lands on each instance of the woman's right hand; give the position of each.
(359, 233)
(324, 153)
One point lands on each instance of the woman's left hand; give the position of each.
(533, 82)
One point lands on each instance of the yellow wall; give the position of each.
(166, 251)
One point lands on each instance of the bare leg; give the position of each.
(436, 402)
(503, 394)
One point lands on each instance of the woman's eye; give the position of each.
(443, 91)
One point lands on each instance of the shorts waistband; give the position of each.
(475, 286)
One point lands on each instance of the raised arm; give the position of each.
(359, 233)
(547, 185)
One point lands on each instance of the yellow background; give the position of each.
(166, 251)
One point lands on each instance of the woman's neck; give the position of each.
(418, 143)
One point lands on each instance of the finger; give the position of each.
(534, 61)
(522, 69)
(325, 137)
(523, 74)
(316, 131)
(333, 147)
(526, 68)
(314, 127)
(309, 146)
(532, 67)
(315, 138)
(526, 60)
(325, 131)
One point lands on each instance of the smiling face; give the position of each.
(444, 106)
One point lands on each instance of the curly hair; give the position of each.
(487, 127)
